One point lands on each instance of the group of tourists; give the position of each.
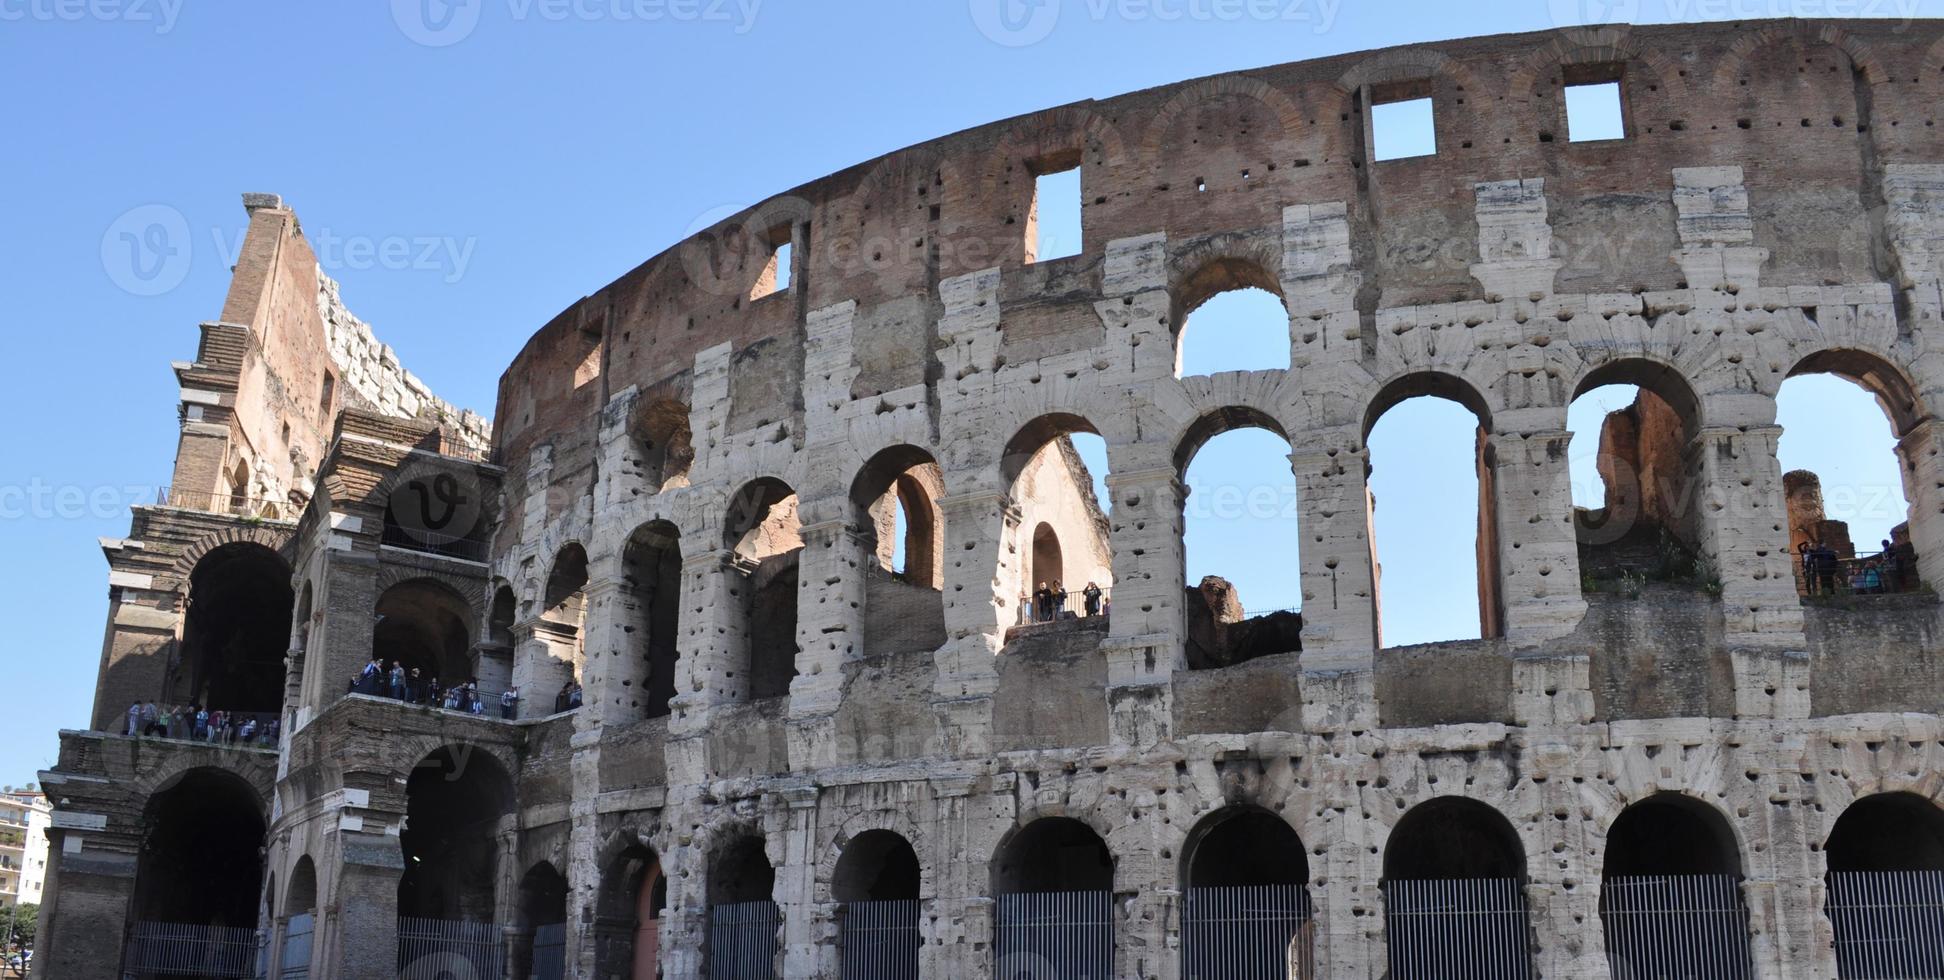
(1050, 602)
(195, 722)
(409, 685)
(1823, 573)
(569, 697)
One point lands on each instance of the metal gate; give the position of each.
(742, 941)
(550, 952)
(879, 941)
(294, 961)
(1889, 924)
(157, 949)
(1675, 927)
(1469, 929)
(1247, 933)
(1054, 936)
(431, 948)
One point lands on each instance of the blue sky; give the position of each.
(469, 169)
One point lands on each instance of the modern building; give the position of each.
(749, 554)
(23, 846)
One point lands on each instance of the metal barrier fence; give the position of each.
(432, 543)
(1248, 933)
(743, 941)
(1054, 936)
(550, 952)
(431, 948)
(1675, 926)
(1061, 607)
(161, 949)
(1469, 929)
(879, 940)
(294, 961)
(1888, 923)
(235, 505)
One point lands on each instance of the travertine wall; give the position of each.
(1775, 207)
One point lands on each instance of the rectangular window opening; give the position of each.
(1053, 229)
(1402, 123)
(1594, 110)
(779, 268)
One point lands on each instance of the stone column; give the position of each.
(1743, 523)
(543, 660)
(976, 613)
(1921, 451)
(84, 909)
(607, 650)
(830, 613)
(358, 927)
(1339, 587)
(1538, 584)
(796, 886)
(1147, 628)
(715, 639)
(1564, 889)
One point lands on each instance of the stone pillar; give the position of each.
(1339, 587)
(84, 909)
(607, 652)
(715, 639)
(1563, 890)
(976, 611)
(544, 658)
(1743, 524)
(796, 886)
(1147, 629)
(358, 925)
(1717, 231)
(1350, 942)
(830, 634)
(1538, 585)
(1921, 451)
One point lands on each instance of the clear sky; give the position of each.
(467, 169)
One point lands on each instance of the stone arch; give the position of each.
(1672, 868)
(1014, 870)
(1047, 482)
(236, 629)
(1861, 55)
(1287, 114)
(663, 443)
(1219, 265)
(651, 604)
(1643, 458)
(907, 477)
(1875, 373)
(201, 861)
(424, 624)
(1408, 64)
(1593, 46)
(631, 896)
(300, 895)
(890, 821)
(185, 565)
(1644, 838)
(764, 530)
(456, 798)
(1066, 135)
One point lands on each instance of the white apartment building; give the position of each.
(23, 846)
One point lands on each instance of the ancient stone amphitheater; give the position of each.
(753, 533)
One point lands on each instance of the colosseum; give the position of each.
(718, 649)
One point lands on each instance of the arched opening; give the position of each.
(438, 511)
(744, 920)
(766, 535)
(553, 678)
(1670, 892)
(1239, 540)
(1635, 501)
(1231, 317)
(424, 628)
(1052, 484)
(299, 922)
(660, 430)
(1433, 518)
(627, 929)
(198, 879)
(1454, 878)
(1248, 908)
(235, 633)
(1054, 882)
(499, 624)
(543, 916)
(894, 507)
(877, 880)
(456, 800)
(1886, 887)
(652, 603)
(1846, 471)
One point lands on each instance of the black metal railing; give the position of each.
(1870, 573)
(1062, 606)
(431, 543)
